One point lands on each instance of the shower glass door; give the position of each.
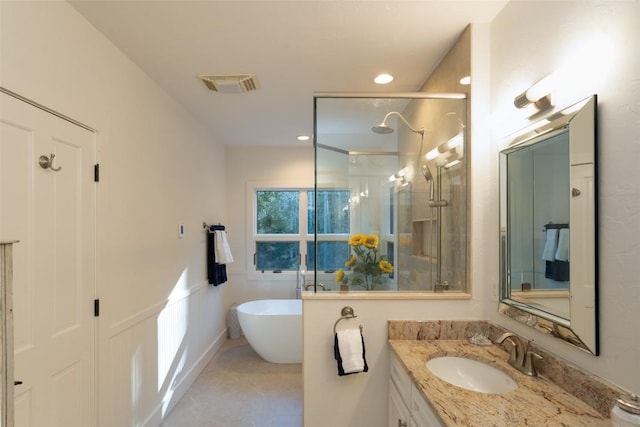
(391, 192)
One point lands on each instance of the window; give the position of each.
(283, 229)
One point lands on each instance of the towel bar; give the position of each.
(211, 228)
(551, 225)
(346, 313)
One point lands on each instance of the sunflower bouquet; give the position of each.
(366, 268)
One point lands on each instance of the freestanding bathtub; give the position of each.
(273, 328)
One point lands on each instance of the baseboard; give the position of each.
(182, 386)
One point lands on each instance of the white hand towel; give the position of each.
(223, 253)
(350, 346)
(562, 253)
(550, 245)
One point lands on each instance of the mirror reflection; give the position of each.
(538, 184)
(400, 160)
(547, 220)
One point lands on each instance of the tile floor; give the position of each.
(239, 389)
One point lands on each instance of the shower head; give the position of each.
(427, 173)
(385, 128)
(382, 128)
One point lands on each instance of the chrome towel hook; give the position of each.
(47, 163)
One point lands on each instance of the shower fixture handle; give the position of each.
(438, 203)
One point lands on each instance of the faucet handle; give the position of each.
(529, 367)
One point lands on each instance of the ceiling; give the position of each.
(294, 48)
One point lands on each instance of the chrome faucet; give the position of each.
(300, 280)
(520, 357)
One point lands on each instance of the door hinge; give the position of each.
(96, 172)
(96, 307)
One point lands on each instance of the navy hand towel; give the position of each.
(216, 273)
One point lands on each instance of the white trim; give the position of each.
(155, 418)
(385, 295)
(251, 188)
(419, 95)
(152, 310)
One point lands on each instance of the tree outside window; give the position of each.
(284, 233)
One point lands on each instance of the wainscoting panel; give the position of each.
(155, 355)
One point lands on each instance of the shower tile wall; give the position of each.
(418, 224)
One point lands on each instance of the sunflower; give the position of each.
(385, 266)
(371, 241)
(357, 240)
(366, 267)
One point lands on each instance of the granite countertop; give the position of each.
(536, 401)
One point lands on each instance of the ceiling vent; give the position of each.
(230, 83)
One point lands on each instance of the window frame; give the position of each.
(303, 237)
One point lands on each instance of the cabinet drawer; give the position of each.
(400, 378)
(421, 413)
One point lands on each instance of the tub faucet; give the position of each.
(300, 279)
(310, 285)
(520, 357)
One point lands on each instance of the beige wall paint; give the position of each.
(159, 320)
(246, 167)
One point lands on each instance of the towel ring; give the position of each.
(345, 313)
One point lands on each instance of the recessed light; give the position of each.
(383, 79)
(466, 80)
(303, 138)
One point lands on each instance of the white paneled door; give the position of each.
(52, 212)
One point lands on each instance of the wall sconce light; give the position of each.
(452, 163)
(447, 146)
(537, 98)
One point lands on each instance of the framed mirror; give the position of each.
(548, 236)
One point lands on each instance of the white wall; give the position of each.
(362, 399)
(159, 318)
(531, 39)
(245, 166)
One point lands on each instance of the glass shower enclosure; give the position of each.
(391, 195)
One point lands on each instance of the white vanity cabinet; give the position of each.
(407, 407)
(399, 415)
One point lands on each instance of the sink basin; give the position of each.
(471, 374)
